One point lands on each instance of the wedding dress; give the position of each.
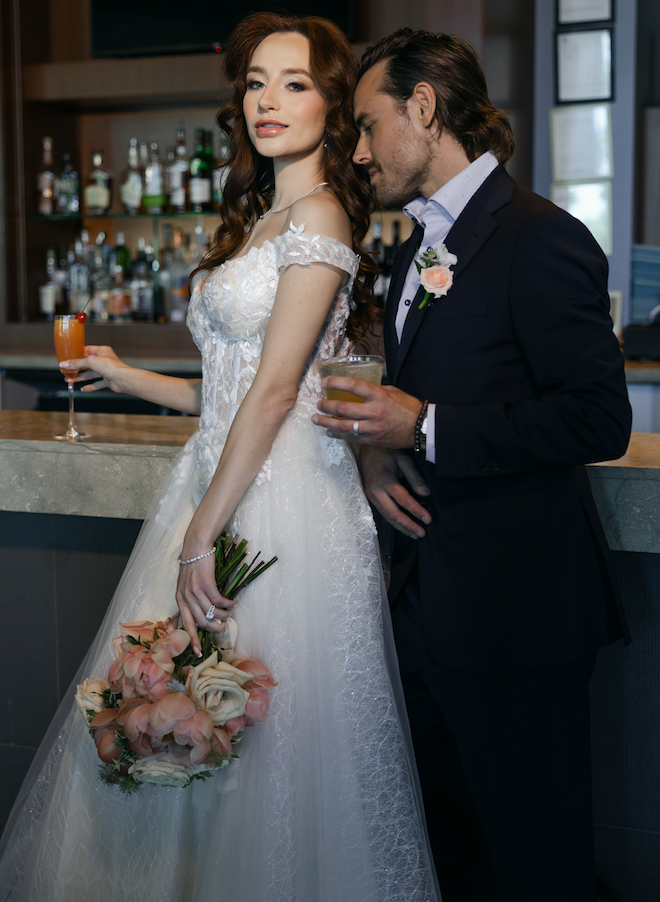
(322, 805)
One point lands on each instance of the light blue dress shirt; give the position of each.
(436, 216)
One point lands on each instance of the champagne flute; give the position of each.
(69, 345)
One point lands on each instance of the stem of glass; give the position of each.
(72, 428)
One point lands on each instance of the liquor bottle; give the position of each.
(142, 285)
(199, 185)
(119, 300)
(61, 278)
(122, 254)
(154, 199)
(46, 180)
(99, 280)
(78, 279)
(178, 175)
(220, 173)
(48, 292)
(68, 188)
(130, 189)
(175, 283)
(98, 191)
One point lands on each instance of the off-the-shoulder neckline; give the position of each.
(271, 243)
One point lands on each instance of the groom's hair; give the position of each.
(451, 66)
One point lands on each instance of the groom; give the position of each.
(502, 387)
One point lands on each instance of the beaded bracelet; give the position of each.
(198, 558)
(418, 426)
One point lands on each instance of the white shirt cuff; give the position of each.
(430, 433)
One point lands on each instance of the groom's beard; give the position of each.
(400, 179)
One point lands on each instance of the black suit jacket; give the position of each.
(528, 382)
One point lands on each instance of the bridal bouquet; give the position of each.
(165, 716)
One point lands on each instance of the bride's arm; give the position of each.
(304, 297)
(168, 391)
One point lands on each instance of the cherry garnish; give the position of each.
(81, 317)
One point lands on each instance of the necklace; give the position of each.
(282, 209)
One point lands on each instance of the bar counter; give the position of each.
(113, 473)
(70, 513)
(116, 471)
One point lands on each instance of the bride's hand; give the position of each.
(99, 360)
(196, 595)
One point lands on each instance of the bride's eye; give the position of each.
(253, 83)
(297, 86)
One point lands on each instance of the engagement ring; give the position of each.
(356, 427)
(210, 614)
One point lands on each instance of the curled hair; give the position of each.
(450, 65)
(250, 184)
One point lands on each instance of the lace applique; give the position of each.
(334, 452)
(265, 473)
(296, 247)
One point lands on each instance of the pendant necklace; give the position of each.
(282, 209)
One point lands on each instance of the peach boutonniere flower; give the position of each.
(435, 275)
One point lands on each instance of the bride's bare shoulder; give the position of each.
(322, 214)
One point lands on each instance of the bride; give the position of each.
(322, 805)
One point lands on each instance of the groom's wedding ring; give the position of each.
(356, 427)
(210, 614)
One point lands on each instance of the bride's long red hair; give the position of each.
(250, 185)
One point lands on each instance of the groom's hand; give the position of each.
(382, 474)
(387, 417)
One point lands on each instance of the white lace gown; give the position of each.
(322, 805)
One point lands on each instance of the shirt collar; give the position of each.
(453, 197)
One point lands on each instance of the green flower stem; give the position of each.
(425, 301)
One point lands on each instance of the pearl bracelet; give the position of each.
(198, 558)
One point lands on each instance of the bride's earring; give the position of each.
(328, 143)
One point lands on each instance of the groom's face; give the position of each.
(392, 146)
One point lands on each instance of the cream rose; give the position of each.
(217, 687)
(437, 280)
(89, 698)
(160, 769)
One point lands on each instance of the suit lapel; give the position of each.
(400, 268)
(468, 234)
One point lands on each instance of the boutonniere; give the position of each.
(434, 272)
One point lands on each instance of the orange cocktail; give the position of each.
(70, 345)
(69, 341)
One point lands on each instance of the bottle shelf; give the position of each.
(79, 217)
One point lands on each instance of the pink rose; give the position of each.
(133, 718)
(104, 725)
(235, 725)
(221, 743)
(256, 710)
(437, 280)
(168, 647)
(143, 631)
(195, 730)
(166, 713)
(137, 671)
(260, 675)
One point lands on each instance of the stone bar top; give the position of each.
(116, 472)
(113, 473)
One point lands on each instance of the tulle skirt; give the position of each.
(323, 804)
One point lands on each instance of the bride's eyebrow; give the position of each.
(262, 71)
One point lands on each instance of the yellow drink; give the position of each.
(366, 368)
